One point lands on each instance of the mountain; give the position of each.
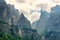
(8, 18)
(41, 23)
(13, 15)
(12, 19)
(11, 23)
(23, 22)
(3, 10)
(2, 1)
(34, 24)
(3, 7)
(25, 29)
(53, 23)
(52, 31)
(30, 34)
(51, 35)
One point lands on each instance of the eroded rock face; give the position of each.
(7, 16)
(30, 34)
(3, 8)
(54, 19)
(40, 24)
(34, 24)
(12, 22)
(53, 24)
(23, 22)
(52, 35)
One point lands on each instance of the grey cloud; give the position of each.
(20, 1)
(56, 1)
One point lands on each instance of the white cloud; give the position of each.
(34, 16)
(56, 1)
(27, 5)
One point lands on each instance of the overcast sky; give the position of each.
(27, 6)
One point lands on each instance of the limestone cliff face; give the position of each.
(7, 18)
(12, 18)
(11, 22)
(26, 30)
(30, 34)
(54, 19)
(23, 22)
(52, 31)
(40, 24)
(3, 9)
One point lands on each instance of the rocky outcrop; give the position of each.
(12, 23)
(30, 34)
(53, 23)
(51, 35)
(52, 31)
(8, 18)
(34, 24)
(40, 24)
(23, 22)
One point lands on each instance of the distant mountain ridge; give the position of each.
(41, 23)
(53, 23)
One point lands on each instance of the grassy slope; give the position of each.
(5, 36)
